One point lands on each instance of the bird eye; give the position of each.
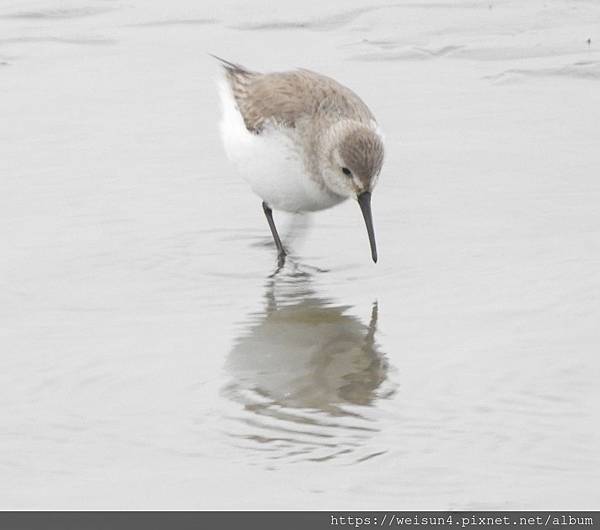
(346, 172)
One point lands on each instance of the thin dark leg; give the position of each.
(280, 251)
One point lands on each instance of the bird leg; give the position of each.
(280, 250)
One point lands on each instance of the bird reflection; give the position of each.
(305, 370)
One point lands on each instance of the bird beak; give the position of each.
(364, 201)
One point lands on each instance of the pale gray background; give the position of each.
(148, 362)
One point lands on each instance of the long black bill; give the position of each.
(364, 201)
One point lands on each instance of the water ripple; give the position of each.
(325, 23)
(176, 22)
(61, 40)
(58, 13)
(588, 70)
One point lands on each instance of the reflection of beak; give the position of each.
(364, 201)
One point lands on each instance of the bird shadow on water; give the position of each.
(305, 376)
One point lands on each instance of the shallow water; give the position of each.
(151, 358)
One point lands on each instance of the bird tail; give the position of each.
(230, 67)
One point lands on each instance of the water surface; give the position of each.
(151, 358)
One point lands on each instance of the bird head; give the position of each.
(353, 157)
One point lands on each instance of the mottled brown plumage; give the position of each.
(286, 98)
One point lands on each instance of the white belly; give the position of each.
(271, 162)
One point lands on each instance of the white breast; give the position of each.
(272, 162)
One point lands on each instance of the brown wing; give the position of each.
(285, 98)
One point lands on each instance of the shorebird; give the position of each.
(303, 142)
